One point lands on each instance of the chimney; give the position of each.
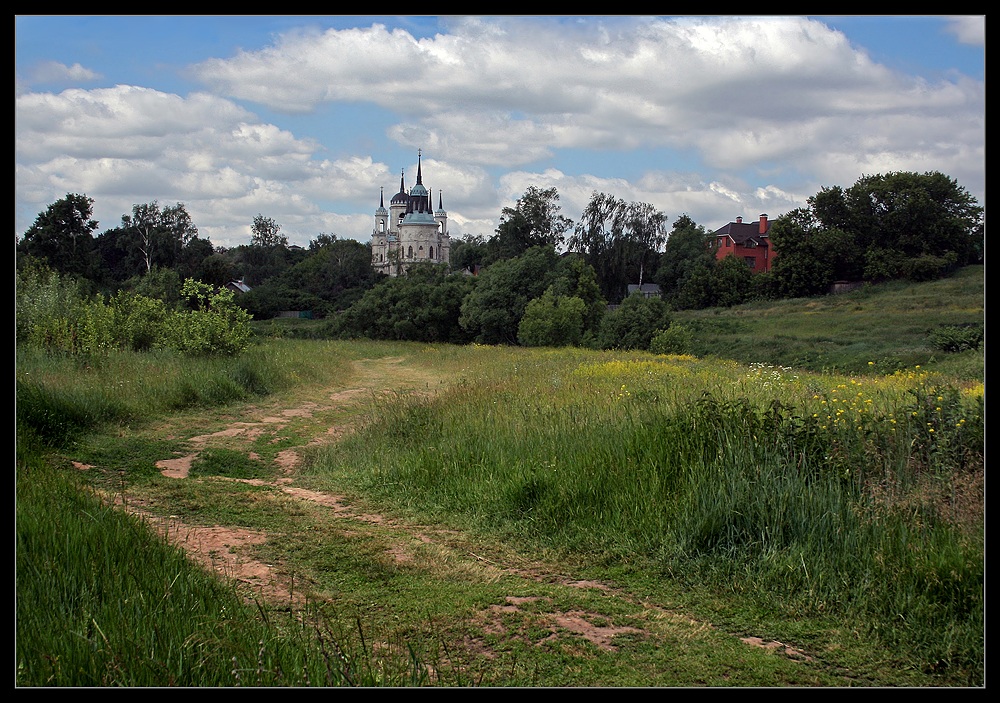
(739, 220)
(763, 224)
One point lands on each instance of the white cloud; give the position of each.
(743, 98)
(968, 29)
(53, 71)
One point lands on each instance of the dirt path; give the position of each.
(229, 550)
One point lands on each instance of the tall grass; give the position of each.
(809, 493)
(58, 396)
(102, 601)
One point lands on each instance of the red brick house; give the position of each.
(749, 241)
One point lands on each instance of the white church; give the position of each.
(410, 231)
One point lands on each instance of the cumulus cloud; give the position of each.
(739, 96)
(968, 29)
(510, 90)
(129, 145)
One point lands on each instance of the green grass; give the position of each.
(890, 324)
(717, 477)
(715, 498)
(90, 613)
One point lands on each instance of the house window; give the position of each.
(751, 261)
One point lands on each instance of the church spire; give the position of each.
(420, 181)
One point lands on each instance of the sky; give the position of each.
(307, 119)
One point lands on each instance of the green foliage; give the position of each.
(956, 338)
(887, 226)
(685, 256)
(634, 323)
(62, 236)
(576, 278)
(533, 221)
(216, 326)
(731, 282)
(138, 323)
(333, 276)
(266, 233)
(423, 305)
(552, 321)
(621, 240)
(492, 310)
(676, 339)
(54, 314)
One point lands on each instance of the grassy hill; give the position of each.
(888, 324)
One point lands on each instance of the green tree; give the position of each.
(159, 235)
(422, 306)
(62, 235)
(621, 240)
(634, 323)
(731, 282)
(811, 257)
(686, 257)
(576, 278)
(332, 274)
(266, 233)
(469, 252)
(533, 221)
(493, 309)
(552, 321)
(913, 214)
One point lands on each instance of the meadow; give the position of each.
(835, 507)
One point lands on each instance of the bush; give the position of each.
(217, 326)
(633, 323)
(956, 338)
(552, 321)
(676, 339)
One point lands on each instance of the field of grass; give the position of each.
(464, 516)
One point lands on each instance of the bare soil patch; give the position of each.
(228, 550)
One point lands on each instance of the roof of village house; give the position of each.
(645, 288)
(740, 232)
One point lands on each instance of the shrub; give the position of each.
(956, 338)
(552, 321)
(633, 323)
(676, 339)
(216, 326)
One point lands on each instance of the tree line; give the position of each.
(541, 278)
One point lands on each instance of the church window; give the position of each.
(409, 253)
(432, 253)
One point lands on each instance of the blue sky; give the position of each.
(304, 118)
